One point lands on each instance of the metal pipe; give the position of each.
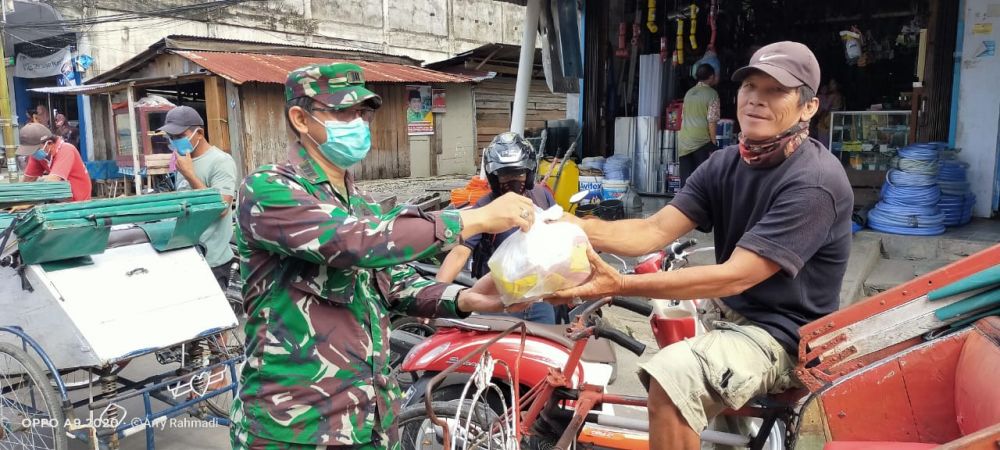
(623, 422)
(135, 139)
(720, 438)
(525, 66)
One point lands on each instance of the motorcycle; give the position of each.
(549, 347)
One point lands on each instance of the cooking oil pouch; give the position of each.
(548, 258)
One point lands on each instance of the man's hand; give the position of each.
(509, 211)
(484, 297)
(185, 165)
(604, 281)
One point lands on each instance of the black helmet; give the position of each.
(509, 151)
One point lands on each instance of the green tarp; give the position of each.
(71, 230)
(22, 193)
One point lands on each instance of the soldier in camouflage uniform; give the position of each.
(321, 263)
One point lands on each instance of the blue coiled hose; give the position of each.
(910, 195)
(956, 201)
(923, 152)
(904, 178)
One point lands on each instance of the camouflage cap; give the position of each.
(337, 85)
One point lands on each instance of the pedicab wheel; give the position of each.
(418, 432)
(31, 415)
(222, 349)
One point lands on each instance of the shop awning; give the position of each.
(102, 88)
(264, 68)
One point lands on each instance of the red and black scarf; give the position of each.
(772, 152)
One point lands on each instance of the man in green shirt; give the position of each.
(203, 165)
(696, 140)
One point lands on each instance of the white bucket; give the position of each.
(615, 189)
(593, 184)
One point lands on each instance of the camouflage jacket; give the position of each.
(321, 274)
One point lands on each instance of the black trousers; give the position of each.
(691, 161)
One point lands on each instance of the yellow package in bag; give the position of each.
(548, 258)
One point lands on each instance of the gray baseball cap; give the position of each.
(181, 118)
(791, 63)
(32, 136)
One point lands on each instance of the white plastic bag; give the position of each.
(548, 258)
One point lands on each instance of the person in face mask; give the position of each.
(780, 206)
(323, 264)
(204, 166)
(50, 158)
(510, 167)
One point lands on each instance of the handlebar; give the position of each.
(679, 247)
(620, 338)
(640, 307)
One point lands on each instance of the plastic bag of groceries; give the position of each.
(548, 258)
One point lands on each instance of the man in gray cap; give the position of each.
(50, 158)
(203, 165)
(780, 206)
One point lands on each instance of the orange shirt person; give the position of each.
(50, 158)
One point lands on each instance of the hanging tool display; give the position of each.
(713, 12)
(621, 52)
(694, 25)
(711, 58)
(651, 17)
(679, 53)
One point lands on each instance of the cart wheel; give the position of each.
(227, 345)
(31, 415)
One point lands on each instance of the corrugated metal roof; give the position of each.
(244, 67)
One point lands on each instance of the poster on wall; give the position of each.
(419, 118)
(439, 104)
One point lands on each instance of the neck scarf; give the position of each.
(772, 152)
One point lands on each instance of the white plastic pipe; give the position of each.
(525, 67)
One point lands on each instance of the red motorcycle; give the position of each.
(537, 352)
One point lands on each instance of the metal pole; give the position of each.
(7, 119)
(525, 67)
(135, 139)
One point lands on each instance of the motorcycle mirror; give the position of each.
(578, 197)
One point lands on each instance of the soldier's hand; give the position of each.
(509, 211)
(484, 297)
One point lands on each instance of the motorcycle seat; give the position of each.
(597, 350)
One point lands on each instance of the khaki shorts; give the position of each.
(721, 369)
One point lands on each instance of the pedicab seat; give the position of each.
(975, 392)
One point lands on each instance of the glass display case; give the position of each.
(867, 140)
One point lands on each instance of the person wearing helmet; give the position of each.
(510, 166)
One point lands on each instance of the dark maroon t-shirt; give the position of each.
(797, 214)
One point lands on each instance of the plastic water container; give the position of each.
(673, 323)
(615, 189)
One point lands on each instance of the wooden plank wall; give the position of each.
(493, 102)
(264, 129)
(265, 132)
(390, 153)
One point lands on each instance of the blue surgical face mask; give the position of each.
(347, 143)
(182, 145)
(40, 154)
